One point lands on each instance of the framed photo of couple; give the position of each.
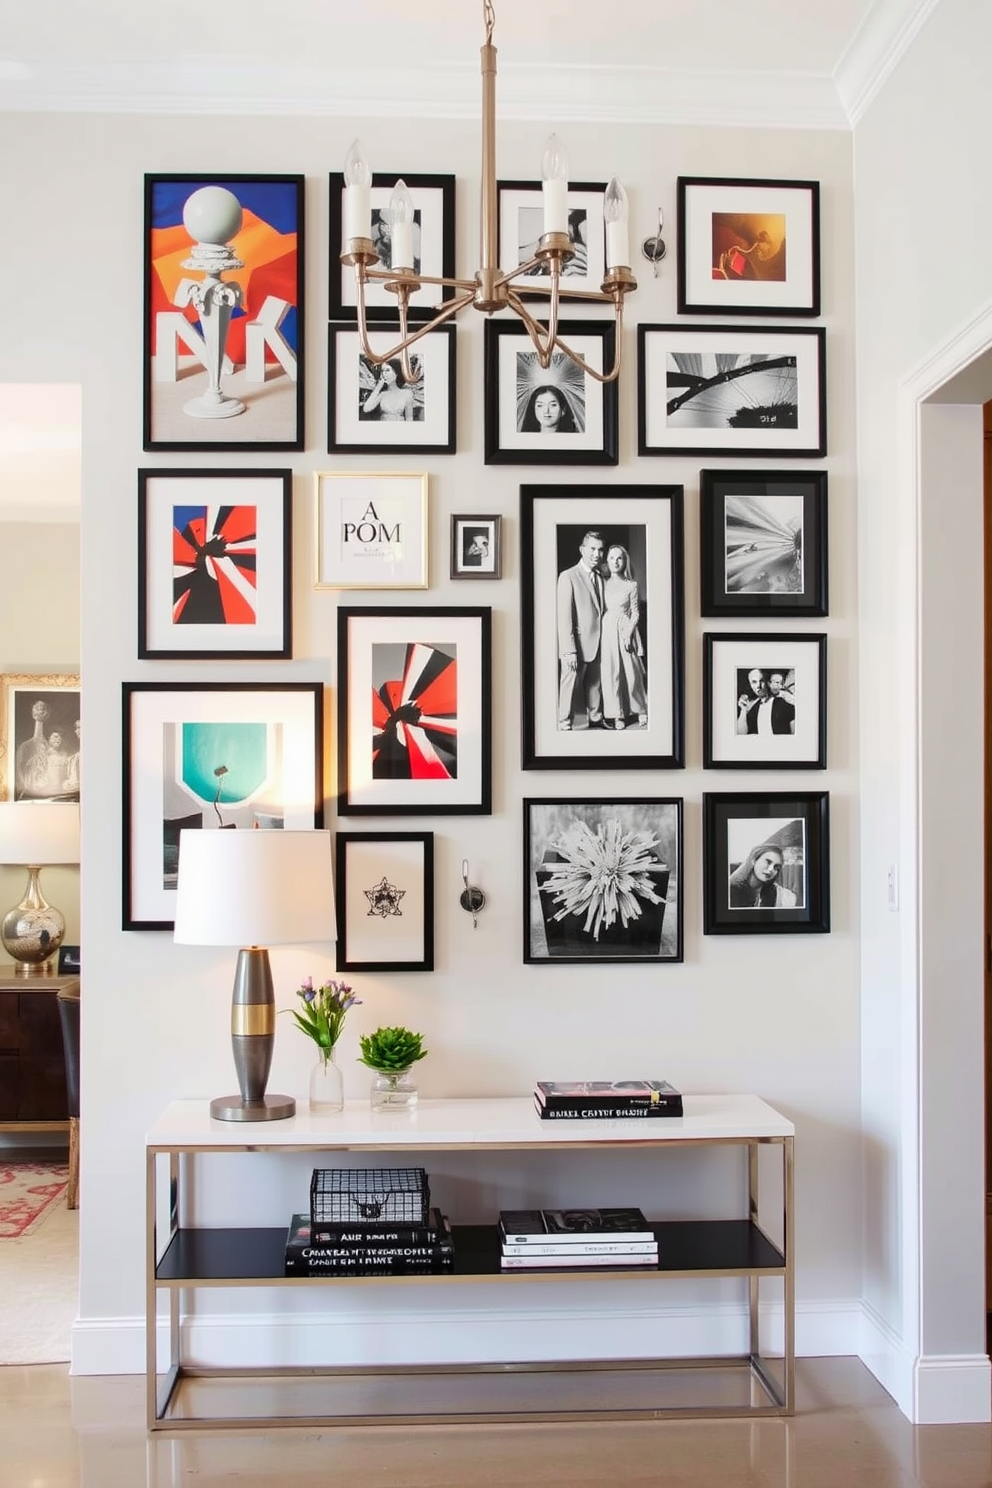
(554, 415)
(602, 657)
(764, 702)
(763, 542)
(433, 246)
(39, 736)
(766, 863)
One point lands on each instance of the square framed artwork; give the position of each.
(384, 886)
(763, 542)
(255, 401)
(414, 712)
(764, 702)
(476, 547)
(748, 247)
(602, 880)
(766, 863)
(372, 409)
(215, 564)
(521, 224)
(371, 529)
(554, 415)
(602, 646)
(719, 390)
(39, 736)
(433, 246)
(211, 756)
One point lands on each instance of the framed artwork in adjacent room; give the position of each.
(554, 415)
(224, 312)
(602, 646)
(602, 880)
(719, 390)
(215, 564)
(433, 246)
(748, 247)
(763, 543)
(476, 547)
(764, 702)
(378, 409)
(39, 736)
(384, 887)
(371, 529)
(521, 225)
(414, 712)
(766, 863)
(211, 756)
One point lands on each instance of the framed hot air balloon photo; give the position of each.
(414, 712)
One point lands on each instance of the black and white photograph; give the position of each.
(763, 542)
(476, 547)
(553, 415)
(766, 863)
(384, 892)
(602, 880)
(385, 405)
(521, 227)
(765, 701)
(748, 247)
(433, 245)
(39, 737)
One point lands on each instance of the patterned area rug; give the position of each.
(28, 1192)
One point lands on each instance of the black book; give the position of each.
(351, 1232)
(520, 1226)
(575, 1111)
(656, 1096)
(376, 1255)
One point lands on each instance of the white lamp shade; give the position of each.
(243, 887)
(38, 832)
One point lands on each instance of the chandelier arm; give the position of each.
(453, 307)
(574, 356)
(416, 281)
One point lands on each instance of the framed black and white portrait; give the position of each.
(476, 547)
(766, 863)
(39, 736)
(763, 542)
(375, 407)
(521, 225)
(554, 415)
(765, 702)
(433, 246)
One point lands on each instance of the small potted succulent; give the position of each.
(391, 1053)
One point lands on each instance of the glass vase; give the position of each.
(393, 1090)
(326, 1085)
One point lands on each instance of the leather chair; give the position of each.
(68, 1003)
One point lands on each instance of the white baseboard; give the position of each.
(932, 1390)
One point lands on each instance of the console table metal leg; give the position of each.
(788, 1245)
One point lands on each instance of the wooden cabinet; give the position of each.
(32, 1067)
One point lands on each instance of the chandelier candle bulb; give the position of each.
(616, 212)
(401, 223)
(357, 203)
(554, 171)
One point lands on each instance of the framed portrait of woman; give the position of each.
(555, 415)
(385, 406)
(766, 863)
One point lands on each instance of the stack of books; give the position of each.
(349, 1249)
(598, 1100)
(553, 1239)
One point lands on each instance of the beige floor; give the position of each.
(57, 1432)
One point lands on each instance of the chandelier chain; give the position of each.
(489, 16)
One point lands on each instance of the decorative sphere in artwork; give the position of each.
(212, 215)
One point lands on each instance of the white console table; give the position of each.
(181, 1258)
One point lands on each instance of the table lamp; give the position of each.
(250, 888)
(36, 834)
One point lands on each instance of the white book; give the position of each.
(577, 1261)
(576, 1248)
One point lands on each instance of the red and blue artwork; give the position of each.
(214, 558)
(415, 712)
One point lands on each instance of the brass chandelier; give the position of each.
(491, 289)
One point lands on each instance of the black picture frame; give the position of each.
(647, 521)
(520, 211)
(734, 826)
(476, 547)
(763, 543)
(434, 206)
(567, 916)
(517, 388)
(748, 246)
(271, 247)
(382, 878)
(424, 420)
(764, 701)
(68, 962)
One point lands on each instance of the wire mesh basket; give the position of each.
(369, 1196)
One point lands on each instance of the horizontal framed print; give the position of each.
(39, 736)
(476, 547)
(554, 415)
(748, 247)
(414, 712)
(766, 863)
(718, 390)
(602, 880)
(521, 225)
(212, 756)
(433, 246)
(385, 901)
(602, 660)
(374, 408)
(763, 542)
(224, 312)
(371, 529)
(764, 702)
(215, 564)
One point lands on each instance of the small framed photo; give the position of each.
(68, 963)
(763, 542)
(371, 530)
(215, 564)
(717, 390)
(602, 880)
(217, 246)
(433, 247)
(764, 702)
(748, 247)
(521, 225)
(476, 547)
(39, 737)
(414, 712)
(766, 863)
(373, 408)
(385, 901)
(554, 415)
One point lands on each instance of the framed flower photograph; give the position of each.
(414, 712)
(717, 390)
(748, 247)
(371, 529)
(555, 415)
(764, 702)
(476, 547)
(602, 880)
(377, 408)
(766, 863)
(602, 658)
(433, 246)
(763, 542)
(384, 886)
(39, 736)
(521, 225)
(215, 564)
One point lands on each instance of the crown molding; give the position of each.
(875, 51)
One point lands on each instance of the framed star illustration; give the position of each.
(385, 901)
